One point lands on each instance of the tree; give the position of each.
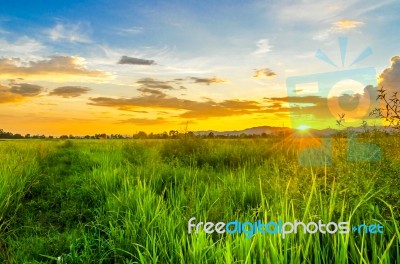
(141, 135)
(4, 134)
(173, 133)
(19, 136)
(391, 110)
(164, 135)
(101, 136)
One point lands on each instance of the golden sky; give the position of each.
(174, 66)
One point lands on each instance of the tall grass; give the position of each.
(19, 170)
(130, 201)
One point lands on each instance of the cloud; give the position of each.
(320, 11)
(345, 24)
(145, 121)
(6, 96)
(151, 91)
(389, 79)
(155, 84)
(69, 91)
(129, 31)
(54, 66)
(154, 96)
(264, 73)
(310, 11)
(175, 84)
(26, 89)
(22, 45)
(193, 109)
(263, 47)
(208, 81)
(17, 92)
(324, 108)
(339, 26)
(69, 32)
(135, 61)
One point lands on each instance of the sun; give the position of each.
(303, 127)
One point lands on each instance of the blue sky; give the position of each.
(220, 58)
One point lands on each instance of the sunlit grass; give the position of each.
(127, 201)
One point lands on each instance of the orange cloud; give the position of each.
(346, 24)
(154, 96)
(264, 73)
(192, 109)
(339, 26)
(323, 108)
(208, 81)
(55, 67)
(17, 92)
(6, 96)
(69, 91)
(155, 84)
(389, 79)
(145, 121)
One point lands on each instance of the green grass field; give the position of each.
(129, 201)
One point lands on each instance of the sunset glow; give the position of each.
(303, 127)
(128, 66)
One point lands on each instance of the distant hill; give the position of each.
(248, 131)
(270, 130)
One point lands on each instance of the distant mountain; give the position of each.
(248, 131)
(270, 130)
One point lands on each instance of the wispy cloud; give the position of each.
(263, 47)
(339, 26)
(21, 46)
(310, 11)
(345, 24)
(69, 32)
(129, 31)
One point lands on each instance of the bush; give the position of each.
(184, 150)
(136, 153)
(215, 153)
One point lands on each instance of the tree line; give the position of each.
(138, 135)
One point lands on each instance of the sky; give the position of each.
(119, 67)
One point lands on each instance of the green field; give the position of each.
(129, 201)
